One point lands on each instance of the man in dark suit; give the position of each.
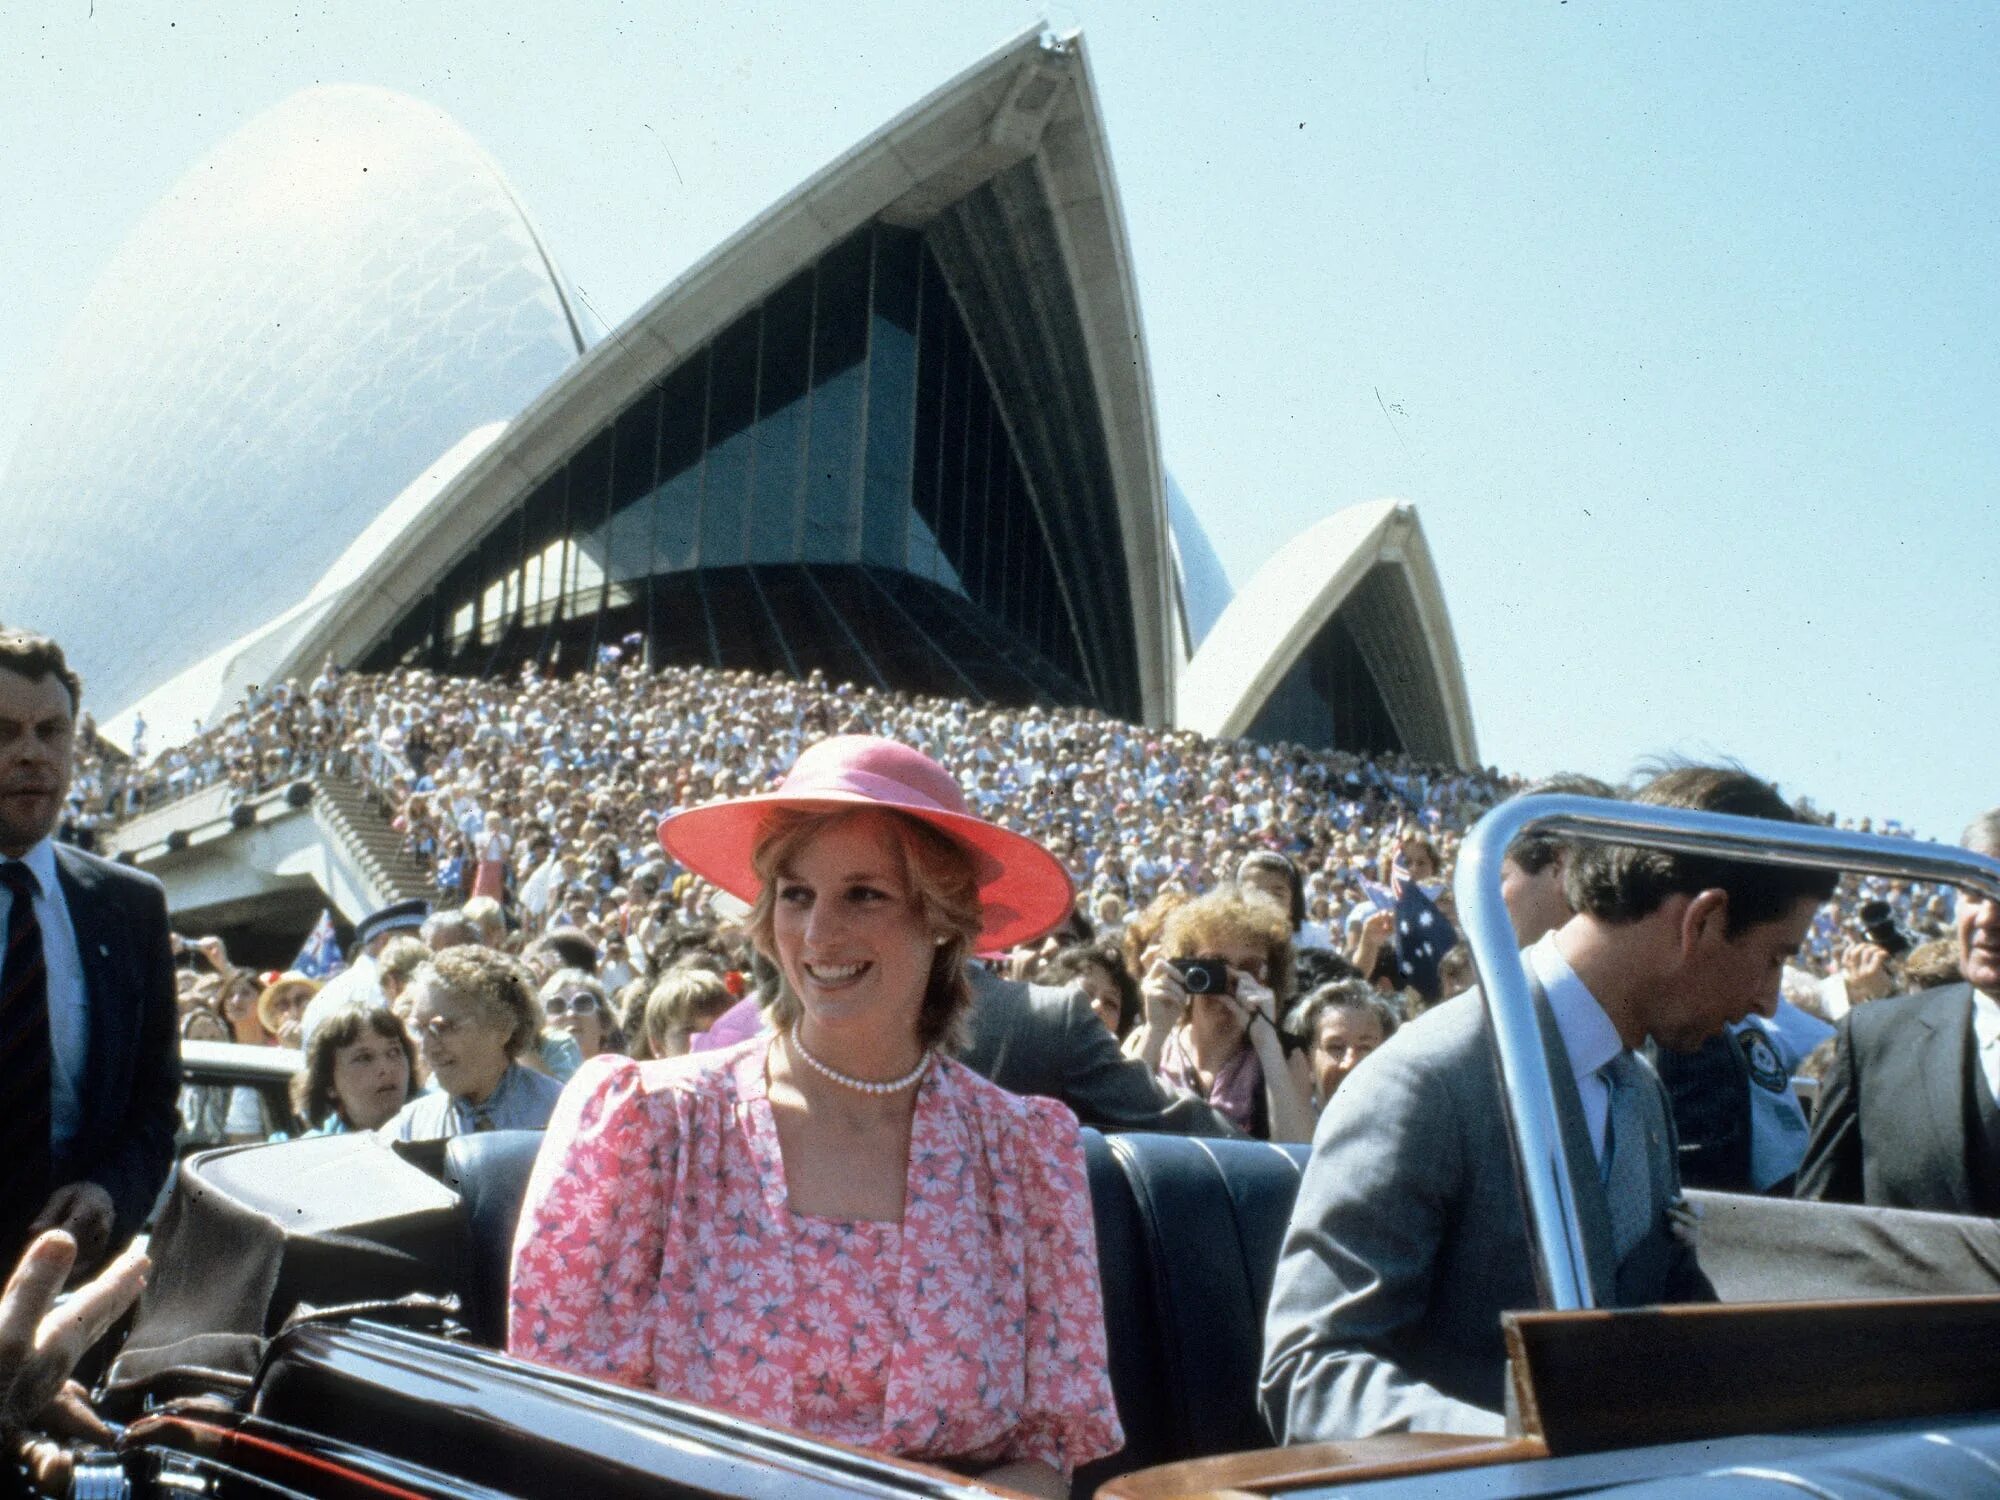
(1408, 1241)
(89, 1061)
(1907, 1116)
(1035, 1039)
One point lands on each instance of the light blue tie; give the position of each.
(1628, 1178)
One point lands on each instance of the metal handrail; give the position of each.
(1554, 1228)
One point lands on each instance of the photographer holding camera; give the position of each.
(1212, 1001)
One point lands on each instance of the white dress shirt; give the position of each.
(69, 1013)
(1587, 1034)
(1986, 1037)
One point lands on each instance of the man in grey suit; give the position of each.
(1035, 1039)
(1408, 1241)
(1907, 1117)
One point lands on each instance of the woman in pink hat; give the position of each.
(836, 1226)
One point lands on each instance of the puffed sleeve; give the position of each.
(587, 1251)
(1070, 1416)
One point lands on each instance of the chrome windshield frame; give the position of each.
(1554, 1231)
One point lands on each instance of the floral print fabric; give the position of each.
(656, 1248)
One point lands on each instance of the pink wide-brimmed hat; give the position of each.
(1023, 889)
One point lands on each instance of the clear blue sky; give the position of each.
(1677, 323)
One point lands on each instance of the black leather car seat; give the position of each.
(1188, 1233)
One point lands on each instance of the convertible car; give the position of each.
(325, 1316)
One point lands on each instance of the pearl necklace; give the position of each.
(862, 1085)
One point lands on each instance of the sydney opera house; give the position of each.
(899, 428)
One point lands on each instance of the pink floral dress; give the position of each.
(656, 1248)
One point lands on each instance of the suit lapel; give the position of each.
(1944, 1053)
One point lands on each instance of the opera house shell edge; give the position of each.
(900, 427)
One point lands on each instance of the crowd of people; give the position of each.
(540, 796)
(544, 792)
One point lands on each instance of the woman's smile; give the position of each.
(849, 938)
(834, 976)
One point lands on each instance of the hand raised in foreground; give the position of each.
(40, 1342)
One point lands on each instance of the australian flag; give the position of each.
(320, 957)
(1423, 936)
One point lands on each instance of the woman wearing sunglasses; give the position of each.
(575, 1004)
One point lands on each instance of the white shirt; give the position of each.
(359, 984)
(1986, 1037)
(1587, 1034)
(69, 1013)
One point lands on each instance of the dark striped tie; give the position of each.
(24, 1065)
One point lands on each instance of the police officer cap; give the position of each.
(398, 916)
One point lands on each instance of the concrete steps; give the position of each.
(349, 816)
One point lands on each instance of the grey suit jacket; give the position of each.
(132, 1076)
(1408, 1240)
(1890, 1126)
(1032, 1039)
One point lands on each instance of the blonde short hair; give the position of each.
(488, 917)
(667, 1018)
(499, 988)
(940, 877)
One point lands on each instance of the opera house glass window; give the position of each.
(830, 483)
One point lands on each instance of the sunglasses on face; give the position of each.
(580, 1004)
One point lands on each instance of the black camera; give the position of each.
(1203, 976)
(1877, 920)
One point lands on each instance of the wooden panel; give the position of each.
(1589, 1381)
(1276, 1470)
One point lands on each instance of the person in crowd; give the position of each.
(1532, 869)
(562, 948)
(91, 1067)
(360, 1070)
(1107, 915)
(838, 1147)
(680, 1003)
(281, 1008)
(41, 1341)
(1407, 1240)
(396, 967)
(1342, 1021)
(1140, 942)
(1907, 1115)
(615, 969)
(489, 920)
(489, 880)
(1211, 1014)
(576, 1005)
(1932, 965)
(358, 981)
(1099, 970)
(446, 929)
(475, 1016)
(240, 1004)
(1273, 875)
(202, 1022)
